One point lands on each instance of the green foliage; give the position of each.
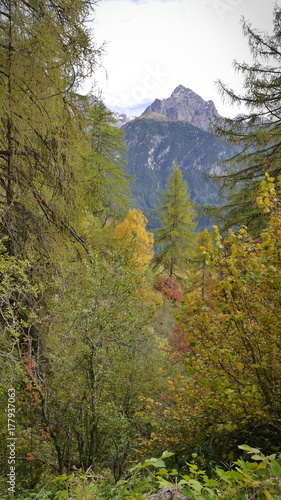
(230, 390)
(19, 361)
(84, 336)
(235, 329)
(19, 313)
(258, 477)
(256, 133)
(175, 239)
(107, 185)
(60, 175)
(41, 123)
(101, 317)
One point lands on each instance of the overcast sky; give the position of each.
(155, 45)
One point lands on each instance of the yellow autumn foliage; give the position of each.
(132, 232)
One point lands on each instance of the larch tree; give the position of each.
(45, 52)
(45, 182)
(132, 233)
(108, 182)
(176, 236)
(257, 132)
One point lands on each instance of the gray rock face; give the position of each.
(154, 144)
(167, 494)
(185, 105)
(121, 119)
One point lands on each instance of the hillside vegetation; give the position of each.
(131, 361)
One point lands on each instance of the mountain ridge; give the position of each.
(174, 130)
(185, 105)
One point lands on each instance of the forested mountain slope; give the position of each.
(155, 143)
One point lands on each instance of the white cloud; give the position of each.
(155, 45)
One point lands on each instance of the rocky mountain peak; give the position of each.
(121, 119)
(185, 105)
(181, 89)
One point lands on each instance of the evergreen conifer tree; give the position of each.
(257, 133)
(45, 52)
(108, 182)
(176, 236)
